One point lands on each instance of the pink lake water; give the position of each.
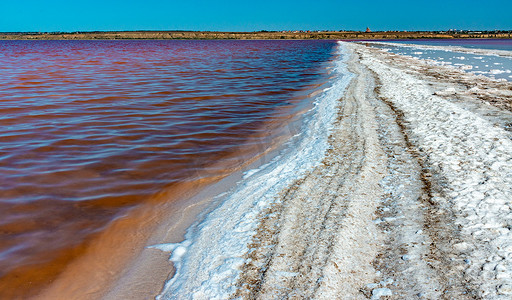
(92, 130)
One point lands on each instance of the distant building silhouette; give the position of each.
(368, 29)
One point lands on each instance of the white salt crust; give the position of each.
(469, 152)
(208, 262)
(474, 156)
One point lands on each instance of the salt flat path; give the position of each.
(355, 225)
(462, 139)
(412, 199)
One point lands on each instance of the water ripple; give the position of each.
(90, 129)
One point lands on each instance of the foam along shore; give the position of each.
(399, 186)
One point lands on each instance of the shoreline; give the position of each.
(210, 254)
(385, 213)
(261, 35)
(139, 279)
(384, 186)
(142, 272)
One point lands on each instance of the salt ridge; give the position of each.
(208, 261)
(473, 159)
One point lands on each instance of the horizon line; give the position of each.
(256, 31)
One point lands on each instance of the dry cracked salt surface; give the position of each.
(411, 201)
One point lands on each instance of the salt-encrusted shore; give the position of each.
(458, 127)
(409, 199)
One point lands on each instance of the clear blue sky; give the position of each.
(231, 15)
